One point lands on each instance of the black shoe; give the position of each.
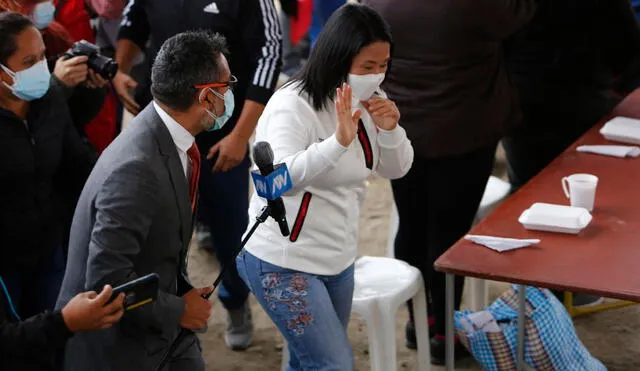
(439, 351)
(584, 301)
(410, 335)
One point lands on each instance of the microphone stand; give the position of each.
(261, 218)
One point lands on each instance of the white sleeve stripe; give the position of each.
(265, 70)
(268, 64)
(126, 22)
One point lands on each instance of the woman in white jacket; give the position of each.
(333, 127)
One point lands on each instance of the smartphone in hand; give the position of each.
(139, 292)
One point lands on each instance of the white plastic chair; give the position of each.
(495, 191)
(382, 285)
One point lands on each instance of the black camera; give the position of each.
(103, 66)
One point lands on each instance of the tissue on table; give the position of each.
(617, 151)
(499, 243)
(622, 129)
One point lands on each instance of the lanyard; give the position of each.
(8, 296)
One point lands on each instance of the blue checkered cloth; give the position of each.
(551, 342)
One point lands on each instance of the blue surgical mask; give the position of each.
(229, 102)
(30, 84)
(43, 14)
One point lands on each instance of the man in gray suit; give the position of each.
(135, 215)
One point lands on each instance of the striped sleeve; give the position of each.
(262, 41)
(135, 25)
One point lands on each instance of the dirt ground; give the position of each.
(611, 336)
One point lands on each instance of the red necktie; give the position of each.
(194, 158)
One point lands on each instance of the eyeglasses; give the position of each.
(231, 84)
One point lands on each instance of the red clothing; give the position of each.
(73, 15)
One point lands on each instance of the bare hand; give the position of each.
(122, 83)
(384, 112)
(95, 81)
(231, 151)
(87, 311)
(72, 71)
(197, 310)
(347, 126)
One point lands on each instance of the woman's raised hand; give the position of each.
(347, 126)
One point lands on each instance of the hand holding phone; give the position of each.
(138, 292)
(89, 311)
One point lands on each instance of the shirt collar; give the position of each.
(181, 137)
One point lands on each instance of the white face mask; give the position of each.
(365, 85)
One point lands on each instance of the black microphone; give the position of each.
(263, 157)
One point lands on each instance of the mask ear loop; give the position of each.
(10, 73)
(201, 98)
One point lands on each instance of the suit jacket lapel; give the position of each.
(176, 172)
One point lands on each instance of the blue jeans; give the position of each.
(311, 311)
(223, 207)
(322, 10)
(34, 291)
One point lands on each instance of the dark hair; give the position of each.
(184, 61)
(11, 25)
(349, 29)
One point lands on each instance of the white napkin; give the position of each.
(501, 244)
(617, 151)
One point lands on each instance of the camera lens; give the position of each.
(104, 66)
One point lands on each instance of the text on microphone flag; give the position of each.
(273, 185)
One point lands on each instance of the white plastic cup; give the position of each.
(580, 189)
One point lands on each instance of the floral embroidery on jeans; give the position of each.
(298, 285)
(291, 297)
(270, 281)
(299, 322)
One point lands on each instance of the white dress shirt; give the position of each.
(181, 136)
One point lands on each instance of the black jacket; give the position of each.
(570, 53)
(448, 75)
(84, 103)
(252, 30)
(43, 164)
(30, 345)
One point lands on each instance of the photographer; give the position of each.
(31, 344)
(44, 165)
(83, 89)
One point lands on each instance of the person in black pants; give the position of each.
(450, 82)
(437, 202)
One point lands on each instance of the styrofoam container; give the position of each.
(622, 129)
(555, 218)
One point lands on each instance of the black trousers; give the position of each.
(437, 202)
